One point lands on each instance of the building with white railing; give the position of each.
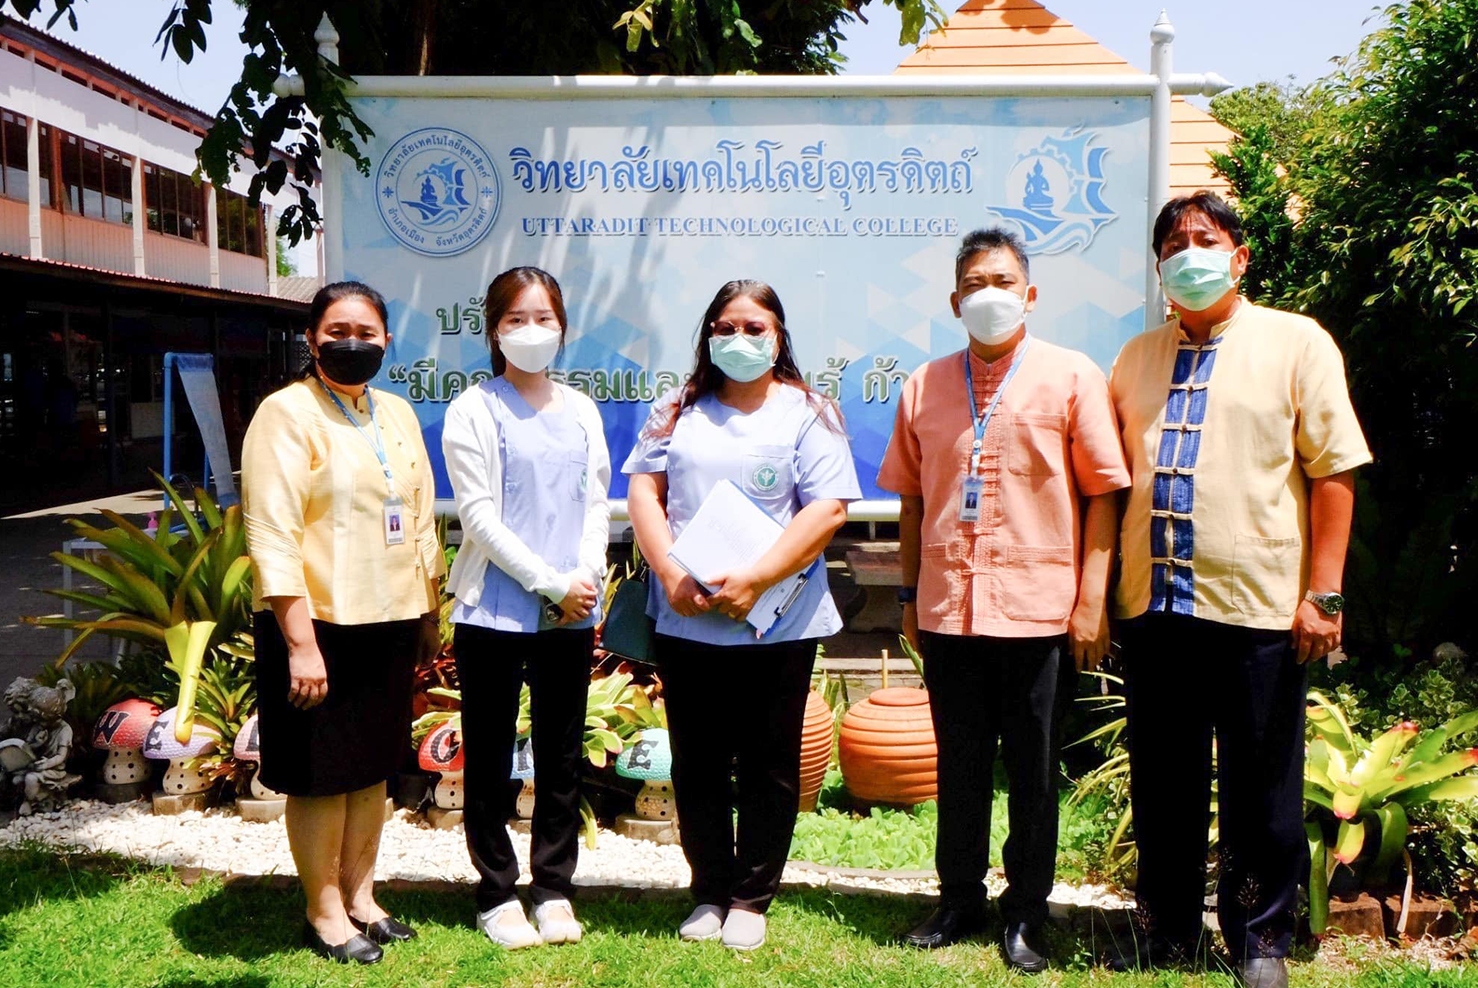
(112, 254)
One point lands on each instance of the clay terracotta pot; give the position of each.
(816, 737)
(887, 748)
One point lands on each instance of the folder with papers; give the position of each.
(730, 531)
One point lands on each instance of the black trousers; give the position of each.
(985, 692)
(491, 666)
(714, 722)
(1187, 677)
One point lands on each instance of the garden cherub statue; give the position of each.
(33, 754)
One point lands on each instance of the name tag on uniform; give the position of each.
(970, 490)
(394, 521)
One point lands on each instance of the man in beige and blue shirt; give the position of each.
(1242, 444)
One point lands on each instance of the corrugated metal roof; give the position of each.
(1022, 36)
(299, 288)
(150, 281)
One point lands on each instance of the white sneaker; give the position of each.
(705, 923)
(507, 926)
(556, 921)
(744, 930)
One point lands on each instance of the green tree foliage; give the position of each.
(1283, 110)
(285, 266)
(1381, 161)
(1386, 256)
(1254, 169)
(470, 37)
(726, 36)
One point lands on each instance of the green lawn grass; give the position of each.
(903, 839)
(75, 922)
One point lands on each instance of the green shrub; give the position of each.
(1432, 691)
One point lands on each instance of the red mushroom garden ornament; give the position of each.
(121, 731)
(442, 752)
(185, 775)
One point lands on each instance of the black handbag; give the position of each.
(628, 632)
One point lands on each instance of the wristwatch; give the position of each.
(908, 595)
(1329, 603)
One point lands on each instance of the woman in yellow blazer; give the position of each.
(337, 496)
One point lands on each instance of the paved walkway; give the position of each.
(26, 568)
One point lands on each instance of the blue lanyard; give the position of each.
(376, 441)
(982, 421)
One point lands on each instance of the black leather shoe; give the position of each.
(1264, 972)
(385, 931)
(1019, 951)
(946, 926)
(357, 948)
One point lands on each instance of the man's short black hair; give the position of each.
(991, 238)
(1208, 204)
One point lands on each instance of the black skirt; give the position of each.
(360, 734)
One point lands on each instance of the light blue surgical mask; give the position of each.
(741, 357)
(1197, 277)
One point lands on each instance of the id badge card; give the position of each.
(970, 490)
(394, 521)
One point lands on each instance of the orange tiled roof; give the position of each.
(1022, 36)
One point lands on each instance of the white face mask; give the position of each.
(991, 315)
(530, 348)
(741, 357)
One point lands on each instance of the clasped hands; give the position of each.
(734, 597)
(578, 603)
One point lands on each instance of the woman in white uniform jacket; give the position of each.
(528, 464)
(746, 415)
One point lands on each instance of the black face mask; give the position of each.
(350, 362)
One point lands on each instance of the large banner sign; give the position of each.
(852, 207)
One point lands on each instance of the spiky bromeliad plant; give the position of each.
(1351, 783)
(183, 595)
(1110, 780)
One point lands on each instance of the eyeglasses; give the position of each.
(748, 328)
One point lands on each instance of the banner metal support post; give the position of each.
(327, 37)
(1162, 39)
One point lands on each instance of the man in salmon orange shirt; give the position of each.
(1006, 457)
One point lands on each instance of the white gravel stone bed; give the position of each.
(219, 840)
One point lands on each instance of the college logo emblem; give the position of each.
(437, 191)
(764, 478)
(1059, 186)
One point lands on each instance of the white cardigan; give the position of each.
(469, 441)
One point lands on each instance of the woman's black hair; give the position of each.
(337, 292)
(707, 378)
